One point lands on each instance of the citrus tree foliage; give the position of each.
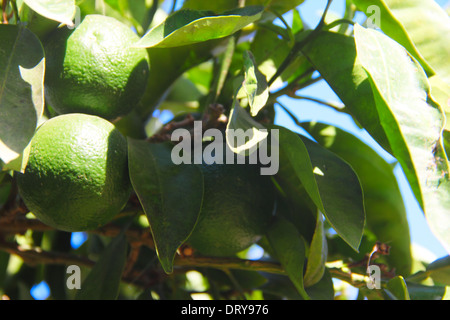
(231, 64)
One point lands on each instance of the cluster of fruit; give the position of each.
(77, 178)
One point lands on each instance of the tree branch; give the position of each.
(230, 263)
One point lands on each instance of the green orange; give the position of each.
(95, 69)
(76, 178)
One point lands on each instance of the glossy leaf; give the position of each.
(447, 142)
(421, 26)
(280, 6)
(317, 256)
(412, 121)
(171, 195)
(392, 27)
(323, 289)
(289, 248)
(334, 56)
(397, 287)
(62, 10)
(439, 270)
(425, 292)
(385, 210)
(322, 174)
(220, 72)
(243, 133)
(103, 281)
(21, 90)
(255, 84)
(440, 91)
(192, 26)
(215, 6)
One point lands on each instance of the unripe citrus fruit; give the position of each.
(237, 209)
(95, 69)
(76, 176)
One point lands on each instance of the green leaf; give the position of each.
(385, 210)
(220, 72)
(440, 91)
(423, 292)
(334, 56)
(323, 289)
(317, 256)
(103, 281)
(171, 195)
(21, 90)
(255, 84)
(36, 23)
(439, 270)
(280, 6)
(215, 6)
(243, 133)
(412, 121)
(62, 11)
(393, 28)
(191, 26)
(294, 203)
(447, 142)
(421, 26)
(397, 287)
(289, 248)
(322, 174)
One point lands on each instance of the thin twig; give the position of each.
(294, 86)
(290, 114)
(230, 263)
(174, 5)
(21, 224)
(35, 256)
(299, 45)
(328, 104)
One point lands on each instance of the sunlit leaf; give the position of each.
(421, 26)
(61, 10)
(318, 252)
(255, 84)
(439, 270)
(397, 287)
(243, 133)
(387, 21)
(413, 123)
(192, 26)
(21, 90)
(334, 56)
